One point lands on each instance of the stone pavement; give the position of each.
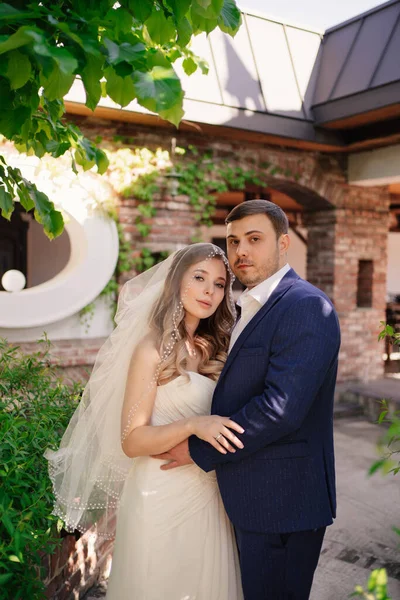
(361, 538)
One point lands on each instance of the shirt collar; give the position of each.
(263, 290)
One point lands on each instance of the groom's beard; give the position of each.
(256, 274)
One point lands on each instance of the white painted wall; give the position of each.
(73, 327)
(91, 264)
(71, 271)
(375, 167)
(393, 271)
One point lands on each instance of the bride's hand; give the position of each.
(217, 431)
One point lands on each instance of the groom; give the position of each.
(278, 384)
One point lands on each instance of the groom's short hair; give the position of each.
(274, 213)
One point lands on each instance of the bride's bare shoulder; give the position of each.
(147, 352)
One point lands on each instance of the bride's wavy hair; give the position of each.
(167, 320)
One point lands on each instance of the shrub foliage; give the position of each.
(35, 407)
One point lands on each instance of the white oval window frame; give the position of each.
(93, 258)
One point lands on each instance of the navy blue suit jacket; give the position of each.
(278, 384)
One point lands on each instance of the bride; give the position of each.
(151, 388)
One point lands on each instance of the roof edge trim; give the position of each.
(254, 13)
(361, 16)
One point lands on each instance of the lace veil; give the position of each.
(89, 469)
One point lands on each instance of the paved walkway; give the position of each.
(361, 538)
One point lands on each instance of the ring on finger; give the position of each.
(218, 436)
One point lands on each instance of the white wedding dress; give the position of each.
(174, 540)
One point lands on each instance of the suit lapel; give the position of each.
(284, 285)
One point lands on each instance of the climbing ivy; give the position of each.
(202, 176)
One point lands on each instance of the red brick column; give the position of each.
(361, 235)
(337, 241)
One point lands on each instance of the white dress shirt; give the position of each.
(253, 299)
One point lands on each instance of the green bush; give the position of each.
(389, 444)
(35, 407)
(389, 449)
(377, 587)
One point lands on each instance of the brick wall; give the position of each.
(76, 566)
(174, 223)
(345, 225)
(361, 234)
(74, 357)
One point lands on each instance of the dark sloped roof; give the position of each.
(286, 80)
(359, 65)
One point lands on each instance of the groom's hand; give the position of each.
(178, 456)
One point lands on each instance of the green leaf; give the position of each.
(203, 64)
(4, 577)
(65, 29)
(23, 36)
(113, 51)
(14, 558)
(53, 224)
(46, 214)
(6, 203)
(230, 19)
(101, 161)
(5, 94)
(376, 466)
(12, 121)
(123, 69)
(382, 416)
(122, 20)
(142, 9)
(160, 28)
(211, 11)
(5, 519)
(185, 32)
(200, 24)
(132, 53)
(159, 89)
(64, 59)
(7, 11)
(91, 76)
(25, 199)
(189, 66)
(180, 8)
(157, 58)
(18, 69)
(174, 114)
(58, 84)
(120, 89)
